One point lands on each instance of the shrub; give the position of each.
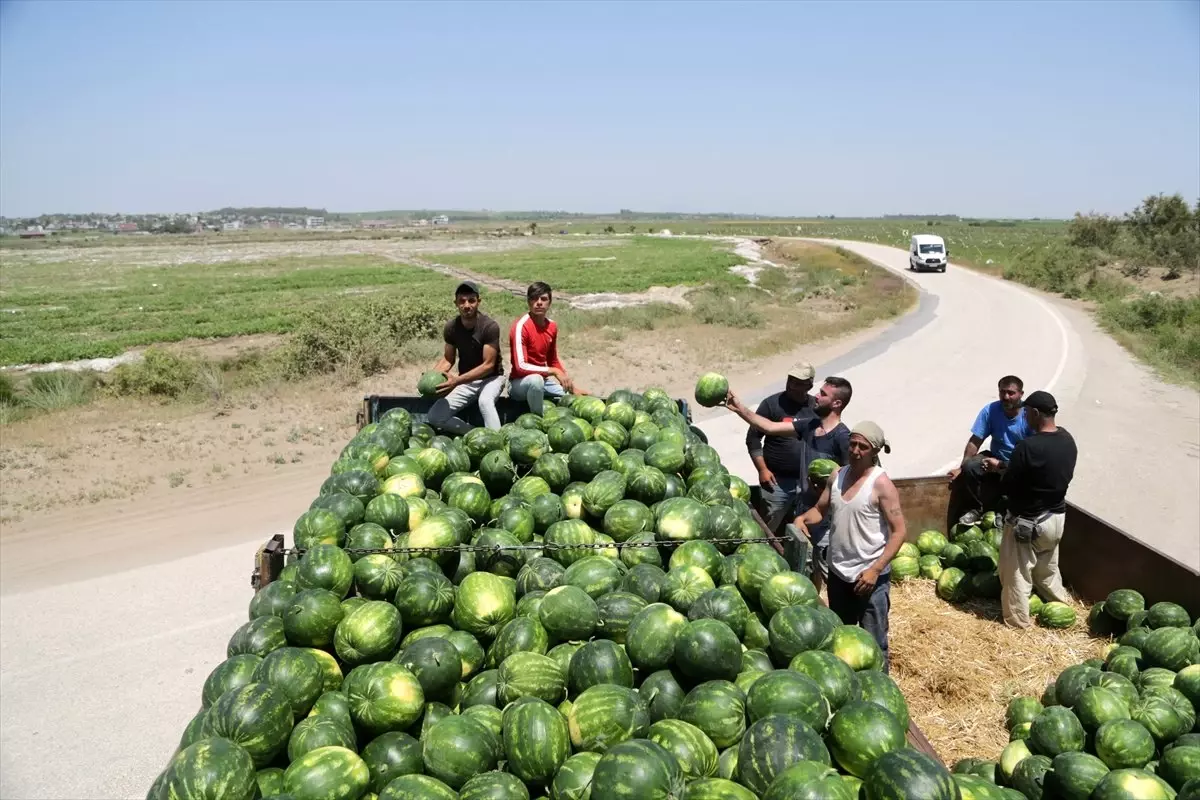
(48, 391)
(160, 373)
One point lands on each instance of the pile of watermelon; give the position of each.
(565, 608)
(965, 566)
(1124, 726)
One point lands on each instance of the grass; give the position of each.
(65, 311)
(632, 265)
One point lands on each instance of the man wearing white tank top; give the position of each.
(866, 531)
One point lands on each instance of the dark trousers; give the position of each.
(868, 611)
(974, 489)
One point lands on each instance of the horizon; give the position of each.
(784, 111)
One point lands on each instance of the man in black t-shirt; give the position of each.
(1035, 482)
(474, 339)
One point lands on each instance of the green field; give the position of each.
(58, 312)
(628, 265)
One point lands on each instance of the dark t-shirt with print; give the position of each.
(469, 342)
(834, 445)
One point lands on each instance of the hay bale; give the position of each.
(959, 665)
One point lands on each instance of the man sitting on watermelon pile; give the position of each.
(975, 484)
(536, 370)
(474, 339)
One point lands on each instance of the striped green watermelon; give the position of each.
(524, 633)
(903, 568)
(535, 739)
(783, 691)
(295, 673)
(907, 775)
(312, 618)
(638, 768)
(596, 575)
(331, 671)
(663, 695)
(320, 526)
(270, 781)
(539, 574)
(1056, 730)
(568, 612)
(377, 576)
(860, 732)
(483, 689)
(370, 632)
(1178, 765)
(774, 743)
(530, 675)
(599, 661)
(684, 586)
(646, 484)
(698, 553)
(666, 456)
(1021, 710)
(617, 609)
(566, 540)
(719, 709)
(483, 603)
(1159, 716)
(1171, 648)
(1164, 614)
(347, 508)
(212, 767)
(717, 789)
(1121, 604)
(436, 664)
(794, 781)
(390, 755)
(857, 648)
(707, 649)
(1056, 615)
(273, 599)
(425, 598)
(796, 629)
(605, 714)
(383, 697)
(695, 752)
(493, 785)
(1132, 784)
(1187, 683)
(652, 636)
(588, 459)
(879, 688)
(328, 773)
(312, 733)
(952, 585)
(257, 637)
(725, 604)
(1098, 705)
(612, 434)
(232, 673)
(457, 747)
(1074, 776)
(256, 716)
(837, 681)
(1029, 777)
(368, 536)
(326, 566)
(573, 781)
(784, 589)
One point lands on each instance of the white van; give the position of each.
(927, 251)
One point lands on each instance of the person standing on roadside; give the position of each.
(778, 452)
(975, 483)
(536, 370)
(1036, 481)
(866, 530)
(474, 339)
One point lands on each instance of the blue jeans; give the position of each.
(779, 502)
(869, 612)
(533, 390)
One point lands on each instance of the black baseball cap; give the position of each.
(1041, 401)
(466, 287)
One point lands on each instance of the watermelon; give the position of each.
(457, 747)
(1179, 764)
(707, 649)
(774, 743)
(321, 525)
(796, 629)
(212, 767)
(436, 664)
(719, 709)
(1132, 784)
(711, 389)
(834, 676)
(524, 633)
(663, 695)
(273, 599)
(482, 689)
(391, 755)
(908, 774)
(573, 781)
(1187, 683)
(1164, 614)
(586, 460)
(680, 519)
(1056, 730)
(617, 609)
(429, 381)
(951, 584)
(1056, 615)
(1074, 776)
(697, 553)
(535, 739)
(1022, 710)
(717, 789)
(931, 543)
(232, 673)
(1121, 604)
(1171, 648)
(418, 787)
(370, 632)
(857, 648)
(383, 697)
(596, 662)
(905, 568)
(860, 732)
(1030, 775)
(797, 779)
(568, 612)
(259, 637)
(596, 575)
(312, 733)
(695, 752)
(526, 674)
(879, 688)
(652, 636)
(483, 603)
(638, 768)
(1098, 705)
(786, 692)
(759, 562)
(604, 715)
(424, 598)
(296, 674)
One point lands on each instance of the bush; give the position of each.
(1169, 326)
(160, 373)
(48, 391)
(365, 337)
(1056, 268)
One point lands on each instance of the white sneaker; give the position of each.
(970, 518)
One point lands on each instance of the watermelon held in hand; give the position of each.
(711, 389)
(429, 381)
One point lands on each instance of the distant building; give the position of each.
(127, 227)
(376, 223)
(314, 222)
(441, 219)
(236, 225)
(33, 234)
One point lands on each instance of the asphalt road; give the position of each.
(99, 676)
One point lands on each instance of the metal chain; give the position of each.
(551, 547)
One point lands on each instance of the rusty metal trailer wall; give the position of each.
(1095, 556)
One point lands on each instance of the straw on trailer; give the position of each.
(959, 665)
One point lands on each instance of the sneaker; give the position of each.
(970, 518)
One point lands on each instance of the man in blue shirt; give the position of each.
(975, 484)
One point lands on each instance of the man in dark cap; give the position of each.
(474, 339)
(1035, 483)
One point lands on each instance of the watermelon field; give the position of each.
(582, 606)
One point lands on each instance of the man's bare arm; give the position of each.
(889, 504)
(758, 421)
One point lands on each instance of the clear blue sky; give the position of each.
(999, 109)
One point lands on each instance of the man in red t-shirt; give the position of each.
(533, 344)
